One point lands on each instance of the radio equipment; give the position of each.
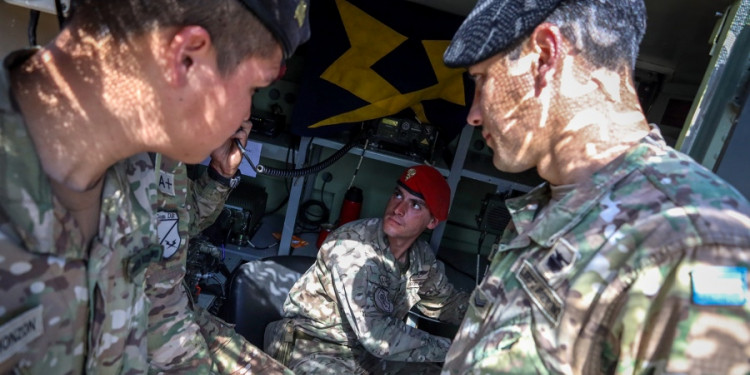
(406, 137)
(241, 215)
(267, 123)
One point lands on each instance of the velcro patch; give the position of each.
(168, 230)
(719, 285)
(166, 183)
(21, 330)
(543, 296)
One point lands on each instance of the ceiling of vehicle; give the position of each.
(677, 36)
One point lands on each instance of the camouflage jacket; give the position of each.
(183, 209)
(89, 306)
(642, 269)
(357, 295)
(66, 306)
(185, 339)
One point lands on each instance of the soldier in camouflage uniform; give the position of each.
(78, 197)
(346, 314)
(183, 338)
(631, 258)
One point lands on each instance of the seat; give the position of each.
(257, 291)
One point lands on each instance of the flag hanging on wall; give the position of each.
(369, 59)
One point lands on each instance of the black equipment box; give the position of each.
(406, 137)
(267, 123)
(240, 218)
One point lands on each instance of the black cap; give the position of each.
(287, 20)
(494, 25)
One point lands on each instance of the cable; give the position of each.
(362, 156)
(322, 190)
(33, 22)
(262, 248)
(284, 201)
(60, 15)
(261, 169)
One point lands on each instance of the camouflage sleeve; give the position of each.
(686, 315)
(440, 299)
(207, 198)
(230, 352)
(382, 335)
(175, 343)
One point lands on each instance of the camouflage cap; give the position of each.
(494, 25)
(427, 183)
(287, 20)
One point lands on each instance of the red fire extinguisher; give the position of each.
(352, 205)
(350, 210)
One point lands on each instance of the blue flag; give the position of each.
(370, 59)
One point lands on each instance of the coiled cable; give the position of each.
(261, 169)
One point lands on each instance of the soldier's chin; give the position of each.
(387, 229)
(390, 228)
(189, 157)
(508, 166)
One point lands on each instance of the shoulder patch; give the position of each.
(558, 261)
(382, 301)
(168, 232)
(719, 285)
(18, 332)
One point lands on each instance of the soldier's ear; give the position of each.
(189, 52)
(547, 41)
(433, 222)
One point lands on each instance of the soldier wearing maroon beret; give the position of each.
(345, 315)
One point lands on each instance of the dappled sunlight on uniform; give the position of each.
(631, 258)
(95, 128)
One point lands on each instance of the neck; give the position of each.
(400, 248)
(68, 94)
(599, 126)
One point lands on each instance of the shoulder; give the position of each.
(423, 251)
(685, 182)
(364, 230)
(128, 199)
(352, 241)
(671, 190)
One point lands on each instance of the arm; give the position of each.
(174, 336)
(384, 336)
(206, 198)
(208, 195)
(440, 299)
(664, 326)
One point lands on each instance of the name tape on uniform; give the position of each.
(21, 330)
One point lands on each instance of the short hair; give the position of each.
(607, 33)
(236, 33)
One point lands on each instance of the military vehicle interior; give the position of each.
(270, 216)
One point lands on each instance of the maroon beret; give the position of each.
(427, 183)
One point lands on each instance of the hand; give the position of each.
(227, 158)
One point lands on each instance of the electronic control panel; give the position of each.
(405, 136)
